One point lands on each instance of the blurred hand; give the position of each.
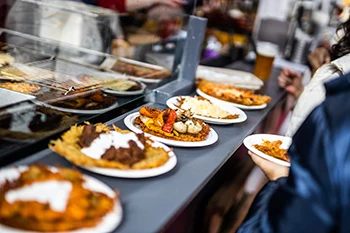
(271, 170)
(291, 81)
(318, 57)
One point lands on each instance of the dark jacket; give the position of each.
(316, 195)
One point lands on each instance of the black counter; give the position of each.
(149, 204)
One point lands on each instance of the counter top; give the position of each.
(149, 204)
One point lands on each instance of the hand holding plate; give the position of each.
(272, 170)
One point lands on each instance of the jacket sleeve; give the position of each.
(313, 95)
(299, 203)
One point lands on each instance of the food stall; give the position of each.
(153, 204)
(50, 90)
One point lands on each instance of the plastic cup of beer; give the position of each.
(266, 53)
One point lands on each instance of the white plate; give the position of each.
(235, 78)
(211, 138)
(108, 224)
(251, 140)
(126, 93)
(143, 173)
(77, 111)
(227, 104)
(232, 110)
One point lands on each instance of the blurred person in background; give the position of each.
(313, 196)
(313, 93)
(72, 28)
(65, 30)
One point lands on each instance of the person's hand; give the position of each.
(318, 57)
(272, 171)
(291, 81)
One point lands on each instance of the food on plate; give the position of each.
(84, 80)
(90, 101)
(65, 82)
(203, 107)
(102, 146)
(6, 59)
(172, 124)
(273, 148)
(124, 85)
(51, 199)
(139, 70)
(132, 69)
(22, 87)
(232, 94)
(28, 123)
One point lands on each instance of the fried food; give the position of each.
(203, 107)
(139, 70)
(124, 85)
(79, 208)
(232, 94)
(92, 101)
(76, 146)
(176, 125)
(22, 87)
(273, 149)
(150, 112)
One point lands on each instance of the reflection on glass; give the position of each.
(71, 61)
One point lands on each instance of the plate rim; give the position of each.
(77, 111)
(130, 125)
(170, 104)
(117, 209)
(263, 155)
(241, 106)
(171, 163)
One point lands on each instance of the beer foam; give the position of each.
(267, 49)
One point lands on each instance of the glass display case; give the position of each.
(57, 67)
